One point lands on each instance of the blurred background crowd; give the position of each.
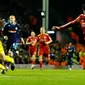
(28, 15)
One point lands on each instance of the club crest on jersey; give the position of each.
(44, 37)
(16, 28)
(82, 20)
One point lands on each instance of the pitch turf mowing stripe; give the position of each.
(43, 77)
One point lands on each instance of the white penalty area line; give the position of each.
(4, 76)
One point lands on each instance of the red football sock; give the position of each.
(41, 63)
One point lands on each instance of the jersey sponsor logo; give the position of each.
(83, 24)
(9, 25)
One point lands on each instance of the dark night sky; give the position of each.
(64, 7)
(67, 7)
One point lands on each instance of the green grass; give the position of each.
(43, 77)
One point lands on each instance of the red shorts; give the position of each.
(44, 51)
(32, 50)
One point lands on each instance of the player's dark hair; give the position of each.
(83, 6)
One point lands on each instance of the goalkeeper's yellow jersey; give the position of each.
(1, 47)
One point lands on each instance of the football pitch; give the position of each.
(43, 77)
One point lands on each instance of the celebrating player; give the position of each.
(31, 41)
(80, 19)
(43, 49)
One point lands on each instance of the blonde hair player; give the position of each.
(43, 50)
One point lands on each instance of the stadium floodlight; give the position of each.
(50, 32)
(42, 13)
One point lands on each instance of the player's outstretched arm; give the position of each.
(67, 24)
(60, 27)
(55, 27)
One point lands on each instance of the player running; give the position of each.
(43, 50)
(12, 34)
(32, 48)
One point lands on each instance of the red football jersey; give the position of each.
(81, 20)
(33, 40)
(42, 38)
